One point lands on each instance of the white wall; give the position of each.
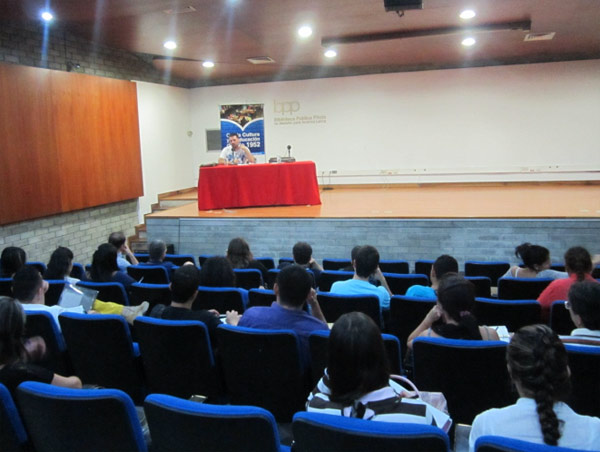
(522, 122)
(167, 161)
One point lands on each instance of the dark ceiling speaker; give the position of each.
(402, 5)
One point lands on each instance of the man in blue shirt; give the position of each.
(366, 266)
(442, 265)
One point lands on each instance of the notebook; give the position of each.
(73, 296)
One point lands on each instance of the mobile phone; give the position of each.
(197, 398)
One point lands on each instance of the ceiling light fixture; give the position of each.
(468, 42)
(467, 14)
(208, 64)
(47, 16)
(305, 31)
(171, 45)
(330, 53)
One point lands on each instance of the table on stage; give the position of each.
(263, 184)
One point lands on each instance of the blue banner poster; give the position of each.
(248, 121)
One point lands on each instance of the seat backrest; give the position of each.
(268, 262)
(108, 291)
(405, 315)
(490, 443)
(471, 374)
(261, 297)
(328, 277)
(181, 425)
(39, 265)
(150, 274)
(513, 314)
(399, 284)
(222, 299)
(142, 257)
(55, 288)
(335, 305)
(248, 278)
(521, 288)
(180, 259)
(319, 353)
(12, 432)
(336, 264)
(6, 287)
(262, 368)
(394, 266)
(62, 419)
(203, 257)
(483, 285)
(285, 259)
(493, 270)
(102, 352)
(78, 271)
(272, 276)
(584, 362)
(560, 319)
(314, 431)
(152, 293)
(177, 356)
(423, 266)
(41, 323)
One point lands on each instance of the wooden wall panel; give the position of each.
(78, 136)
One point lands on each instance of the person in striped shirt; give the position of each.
(357, 381)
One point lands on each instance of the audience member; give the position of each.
(105, 268)
(584, 308)
(60, 265)
(452, 317)
(537, 364)
(353, 254)
(240, 256)
(217, 272)
(293, 290)
(302, 253)
(442, 265)
(578, 263)
(184, 289)
(15, 365)
(357, 381)
(11, 260)
(29, 288)
(125, 257)
(366, 265)
(157, 250)
(536, 260)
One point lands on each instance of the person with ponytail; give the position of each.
(578, 263)
(536, 261)
(452, 315)
(537, 364)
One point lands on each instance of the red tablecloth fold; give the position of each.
(266, 184)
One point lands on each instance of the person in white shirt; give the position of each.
(235, 153)
(538, 366)
(125, 257)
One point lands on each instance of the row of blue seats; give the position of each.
(175, 424)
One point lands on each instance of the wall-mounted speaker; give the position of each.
(402, 5)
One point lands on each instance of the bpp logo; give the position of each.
(286, 107)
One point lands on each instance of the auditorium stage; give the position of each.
(494, 200)
(469, 221)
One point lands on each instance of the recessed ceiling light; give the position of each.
(468, 42)
(47, 16)
(208, 64)
(171, 45)
(305, 31)
(467, 14)
(330, 53)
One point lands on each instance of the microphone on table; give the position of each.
(289, 148)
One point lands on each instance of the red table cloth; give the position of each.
(265, 184)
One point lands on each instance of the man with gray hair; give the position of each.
(157, 250)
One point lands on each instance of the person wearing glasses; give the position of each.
(584, 307)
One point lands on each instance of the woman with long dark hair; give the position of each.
(60, 265)
(357, 381)
(105, 268)
(217, 272)
(452, 315)
(15, 366)
(240, 256)
(11, 261)
(537, 364)
(536, 263)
